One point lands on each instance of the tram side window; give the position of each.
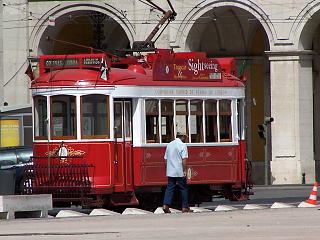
(167, 114)
(182, 116)
(211, 120)
(152, 120)
(196, 123)
(40, 116)
(225, 120)
(95, 116)
(63, 114)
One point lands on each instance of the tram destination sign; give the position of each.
(66, 62)
(72, 62)
(187, 69)
(91, 61)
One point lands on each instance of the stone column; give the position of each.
(1, 57)
(292, 109)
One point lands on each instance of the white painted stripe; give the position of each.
(313, 197)
(159, 210)
(134, 211)
(200, 209)
(69, 213)
(102, 212)
(307, 205)
(253, 207)
(281, 205)
(224, 208)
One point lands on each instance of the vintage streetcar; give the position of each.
(102, 123)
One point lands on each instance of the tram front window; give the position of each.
(225, 120)
(167, 114)
(40, 116)
(95, 116)
(152, 120)
(63, 110)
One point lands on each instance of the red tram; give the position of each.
(101, 126)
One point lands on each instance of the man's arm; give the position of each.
(184, 166)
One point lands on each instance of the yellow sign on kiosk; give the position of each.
(9, 132)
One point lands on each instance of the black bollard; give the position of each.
(303, 178)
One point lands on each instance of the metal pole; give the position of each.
(266, 162)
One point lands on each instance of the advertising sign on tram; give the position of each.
(187, 69)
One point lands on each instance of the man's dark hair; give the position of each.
(181, 135)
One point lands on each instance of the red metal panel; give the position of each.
(129, 167)
(153, 166)
(207, 165)
(119, 169)
(196, 155)
(100, 154)
(212, 173)
(137, 159)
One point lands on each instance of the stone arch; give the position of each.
(202, 8)
(60, 10)
(305, 26)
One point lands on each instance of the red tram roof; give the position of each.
(90, 78)
(162, 69)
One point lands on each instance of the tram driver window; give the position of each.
(225, 120)
(152, 120)
(40, 116)
(95, 116)
(63, 114)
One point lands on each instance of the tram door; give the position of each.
(123, 145)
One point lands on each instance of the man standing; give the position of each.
(176, 159)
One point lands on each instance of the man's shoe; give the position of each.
(186, 210)
(166, 209)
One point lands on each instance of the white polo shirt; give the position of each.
(176, 150)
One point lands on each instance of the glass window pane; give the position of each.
(95, 116)
(182, 116)
(167, 120)
(127, 111)
(63, 110)
(152, 120)
(118, 119)
(40, 112)
(196, 124)
(211, 120)
(225, 120)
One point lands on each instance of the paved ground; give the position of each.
(294, 223)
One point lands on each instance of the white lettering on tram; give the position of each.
(192, 92)
(201, 66)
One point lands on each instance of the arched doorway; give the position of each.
(231, 31)
(77, 31)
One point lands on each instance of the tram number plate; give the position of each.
(215, 75)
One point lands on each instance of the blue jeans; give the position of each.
(182, 182)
